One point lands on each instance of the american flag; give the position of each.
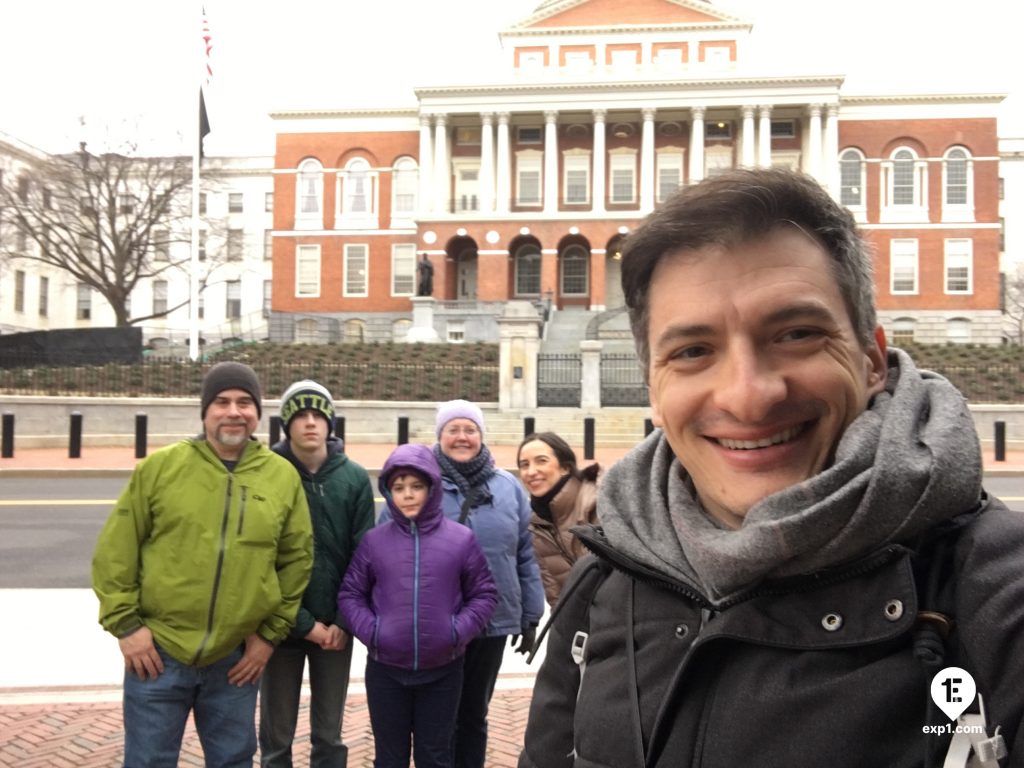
(204, 120)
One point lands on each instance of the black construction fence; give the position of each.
(163, 377)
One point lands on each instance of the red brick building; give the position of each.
(522, 188)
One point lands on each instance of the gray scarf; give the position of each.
(911, 460)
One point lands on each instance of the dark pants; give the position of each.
(419, 704)
(280, 689)
(483, 660)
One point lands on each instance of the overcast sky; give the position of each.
(133, 65)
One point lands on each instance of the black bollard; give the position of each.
(339, 430)
(75, 438)
(275, 430)
(1000, 441)
(588, 438)
(7, 443)
(648, 426)
(528, 428)
(140, 435)
(403, 430)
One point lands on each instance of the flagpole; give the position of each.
(197, 153)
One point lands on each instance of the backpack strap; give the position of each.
(593, 572)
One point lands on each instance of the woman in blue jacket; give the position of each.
(416, 593)
(494, 505)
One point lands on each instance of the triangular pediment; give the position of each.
(554, 14)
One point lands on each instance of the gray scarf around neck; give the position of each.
(910, 461)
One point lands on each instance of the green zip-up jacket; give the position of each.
(340, 501)
(202, 556)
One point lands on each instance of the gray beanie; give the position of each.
(306, 395)
(230, 376)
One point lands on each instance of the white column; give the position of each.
(747, 151)
(831, 153)
(696, 144)
(503, 171)
(764, 137)
(813, 166)
(550, 161)
(597, 186)
(647, 162)
(487, 162)
(426, 190)
(442, 173)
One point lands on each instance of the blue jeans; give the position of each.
(155, 713)
(280, 689)
(483, 660)
(419, 704)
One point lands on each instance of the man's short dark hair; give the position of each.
(734, 208)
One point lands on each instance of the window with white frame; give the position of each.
(233, 300)
(310, 191)
(575, 267)
(958, 330)
(358, 190)
(44, 296)
(356, 270)
(718, 129)
(307, 271)
(268, 244)
(959, 265)
(958, 185)
(235, 202)
(717, 160)
(403, 269)
(159, 297)
(669, 171)
(268, 293)
(783, 129)
(529, 134)
(527, 264)
(83, 307)
(353, 331)
(576, 184)
(528, 177)
(622, 175)
(235, 244)
(903, 329)
(404, 182)
(467, 187)
(268, 202)
(161, 245)
(307, 331)
(905, 180)
(903, 266)
(455, 331)
(19, 290)
(851, 178)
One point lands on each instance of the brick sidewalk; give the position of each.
(80, 735)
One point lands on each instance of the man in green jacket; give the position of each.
(199, 571)
(341, 505)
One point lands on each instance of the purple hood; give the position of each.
(421, 459)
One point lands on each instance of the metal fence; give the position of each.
(622, 381)
(559, 380)
(161, 377)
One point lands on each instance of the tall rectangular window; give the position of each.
(83, 308)
(161, 245)
(307, 271)
(623, 179)
(903, 266)
(159, 297)
(268, 244)
(403, 269)
(233, 300)
(356, 267)
(670, 174)
(959, 262)
(235, 202)
(528, 181)
(44, 296)
(235, 240)
(19, 291)
(268, 288)
(268, 202)
(576, 184)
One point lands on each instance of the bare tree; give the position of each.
(109, 220)
(1013, 304)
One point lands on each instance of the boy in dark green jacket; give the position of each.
(341, 505)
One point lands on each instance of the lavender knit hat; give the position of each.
(459, 409)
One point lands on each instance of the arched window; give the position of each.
(851, 179)
(903, 181)
(310, 193)
(958, 185)
(527, 263)
(575, 263)
(353, 331)
(905, 188)
(958, 330)
(357, 194)
(902, 331)
(404, 180)
(307, 331)
(400, 329)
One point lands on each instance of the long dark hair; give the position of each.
(563, 453)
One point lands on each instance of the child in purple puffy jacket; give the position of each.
(416, 592)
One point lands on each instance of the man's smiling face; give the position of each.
(756, 370)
